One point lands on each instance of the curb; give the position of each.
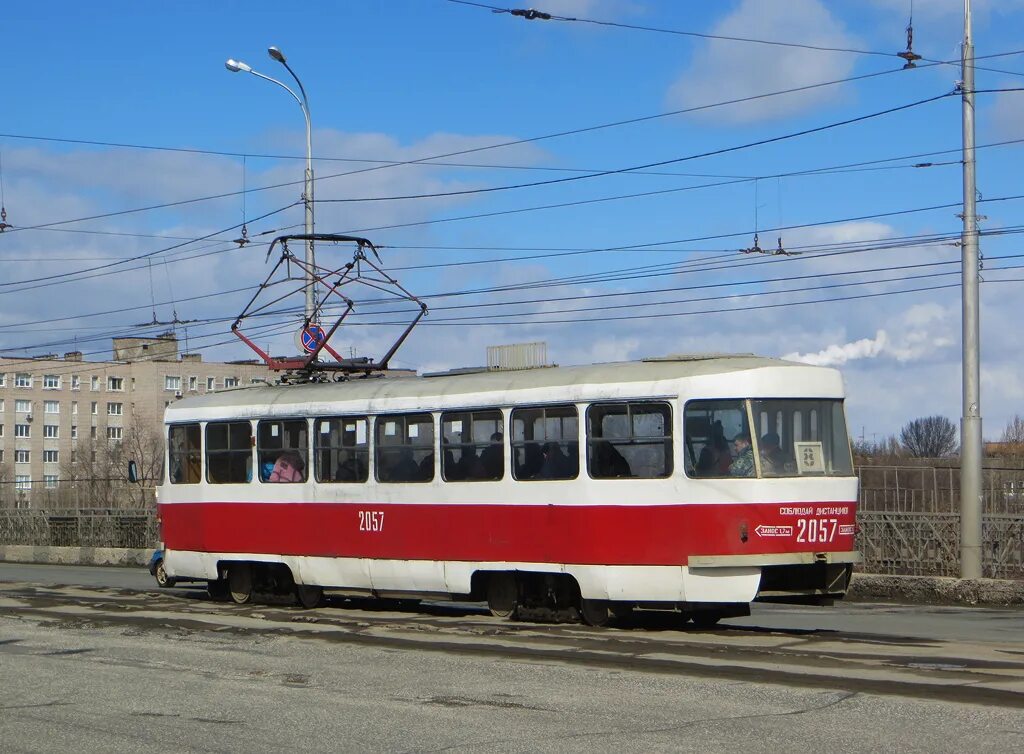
(117, 556)
(935, 590)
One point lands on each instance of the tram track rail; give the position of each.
(977, 672)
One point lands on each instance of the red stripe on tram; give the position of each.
(592, 534)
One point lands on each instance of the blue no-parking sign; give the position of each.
(312, 337)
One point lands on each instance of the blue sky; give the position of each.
(410, 79)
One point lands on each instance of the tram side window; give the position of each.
(629, 440)
(185, 454)
(545, 443)
(283, 450)
(710, 429)
(473, 446)
(228, 452)
(404, 450)
(341, 446)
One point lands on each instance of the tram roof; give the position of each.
(431, 389)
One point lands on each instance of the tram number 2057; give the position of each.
(371, 520)
(816, 529)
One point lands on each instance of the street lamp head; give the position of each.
(276, 54)
(237, 65)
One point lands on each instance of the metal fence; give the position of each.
(85, 527)
(908, 517)
(909, 520)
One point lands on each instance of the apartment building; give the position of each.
(52, 408)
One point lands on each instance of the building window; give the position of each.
(51, 456)
(115, 384)
(114, 433)
(74, 431)
(23, 407)
(1, 404)
(51, 431)
(193, 384)
(74, 408)
(94, 383)
(1, 455)
(230, 382)
(50, 480)
(22, 482)
(23, 456)
(1, 430)
(95, 408)
(76, 382)
(23, 430)
(211, 383)
(51, 382)
(115, 409)
(92, 432)
(3, 380)
(51, 407)
(23, 379)
(172, 383)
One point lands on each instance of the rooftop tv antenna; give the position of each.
(289, 269)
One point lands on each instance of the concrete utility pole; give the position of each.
(970, 421)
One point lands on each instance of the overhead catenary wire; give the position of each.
(498, 145)
(533, 14)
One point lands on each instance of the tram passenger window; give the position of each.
(228, 452)
(185, 454)
(283, 450)
(629, 440)
(545, 443)
(710, 427)
(473, 443)
(404, 450)
(341, 446)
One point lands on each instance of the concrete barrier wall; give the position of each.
(118, 556)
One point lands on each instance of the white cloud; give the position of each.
(722, 69)
(1006, 116)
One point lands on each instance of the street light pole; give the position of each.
(236, 66)
(970, 421)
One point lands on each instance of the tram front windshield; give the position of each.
(786, 437)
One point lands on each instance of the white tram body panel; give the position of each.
(682, 538)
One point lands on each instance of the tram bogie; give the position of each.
(585, 491)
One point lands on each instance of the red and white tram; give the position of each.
(694, 483)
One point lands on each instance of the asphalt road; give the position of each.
(97, 658)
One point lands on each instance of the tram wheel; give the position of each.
(595, 612)
(503, 595)
(309, 595)
(240, 583)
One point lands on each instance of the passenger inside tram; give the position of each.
(288, 468)
(608, 462)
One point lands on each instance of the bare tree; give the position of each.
(1014, 432)
(888, 450)
(145, 446)
(929, 437)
